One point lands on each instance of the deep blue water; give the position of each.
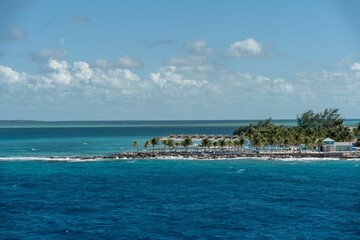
(164, 199)
(182, 199)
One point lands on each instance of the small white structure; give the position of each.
(329, 145)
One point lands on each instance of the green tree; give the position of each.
(258, 141)
(154, 141)
(164, 142)
(186, 143)
(222, 144)
(357, 130)
(330, 119)
(229, 143)
(136, 144)
(170, 143)
(242, 140)
(147, 144)
(215, 144)
(206, 142)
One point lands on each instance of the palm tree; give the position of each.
(236, 144)
(242, 140)
(177, 144)
(164, 142)
(206, 142)
(136, 144)
(307, 142)
(147, 144)
(186, 143)
(215, 144)
(154, 141)
(170, 143)
(222, 144)
(258, 141)
(229, 143)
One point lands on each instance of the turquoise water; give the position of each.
(164, 199)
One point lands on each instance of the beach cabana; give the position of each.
(181, 136)
(195, 136)
(329, 145)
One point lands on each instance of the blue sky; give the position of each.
(120, 60)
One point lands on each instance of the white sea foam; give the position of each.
(52, 159)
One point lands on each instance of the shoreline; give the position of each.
(220, 155)
(195, 156)
(163, 155)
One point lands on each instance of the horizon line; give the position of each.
(149, 120)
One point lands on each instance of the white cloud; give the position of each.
(129, 62)
(102, 63)
(122, 62)
(116, 81)
(7, 75)
(248, 47)
(82, 70)
(355, 66)
(59, 72)
(123, 75)
(169, 77)
(47, 53)
(282, 86)
(198, 46)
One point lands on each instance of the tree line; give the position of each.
(312, 128)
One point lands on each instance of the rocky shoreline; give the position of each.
(220, 155)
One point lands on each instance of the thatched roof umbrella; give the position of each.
(163, 138)
(219, 137)
(195, 136)
(202, 136)
(227, 137)
(181, 136)
(172, 136)
(187, 136)
(235, 136)
(211, 136)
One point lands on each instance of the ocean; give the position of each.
(41, 198)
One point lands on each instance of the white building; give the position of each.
(329, 145)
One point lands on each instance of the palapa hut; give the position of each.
(219, 136)
(211, 136)
(180, 136)
(202, 136)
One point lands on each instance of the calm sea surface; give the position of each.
(164, 199)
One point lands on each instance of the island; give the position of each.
(316, 135)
